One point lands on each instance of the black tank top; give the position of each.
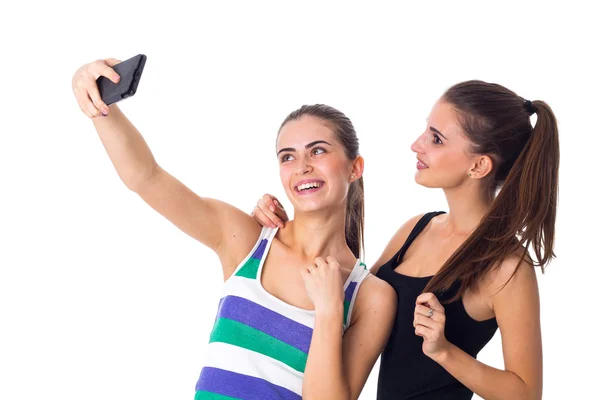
(405, 372)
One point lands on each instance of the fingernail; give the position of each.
(272, 208)
(280, 225)
(117, 78)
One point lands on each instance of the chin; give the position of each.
(421, 180)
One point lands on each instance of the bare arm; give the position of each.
(374, 315)
(518, 314)
(225, 229)
(338, 366)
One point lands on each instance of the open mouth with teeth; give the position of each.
(309, 187)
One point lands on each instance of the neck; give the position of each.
(467, 206)
(319, 234)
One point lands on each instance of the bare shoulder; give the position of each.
(396, 242)
(375, 297)
(513, 283)
(240, 233)
(513, 272)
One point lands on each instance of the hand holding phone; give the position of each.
(103, 82)
(130, 72)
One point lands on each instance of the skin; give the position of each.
(309, 260)
(451, 165)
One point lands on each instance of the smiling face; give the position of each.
(444, 158)
(313, 166)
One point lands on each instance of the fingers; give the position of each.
(426, 321)
(265, 204)
(112, 61)
(91, 109)
(261, 218)
(310, 269)
(422, 331)
(97, 100)
(320, 262)
(333, 262)
(429, 300)
(425, 311)
(85, 87)
(81, 85)
(101, 68)
(86, 112)
(279, 211)
(304, 274)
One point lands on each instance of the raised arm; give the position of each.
(225, 229)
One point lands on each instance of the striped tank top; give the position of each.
(259, 344)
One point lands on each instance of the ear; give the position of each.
(481, 167)
(358, 166)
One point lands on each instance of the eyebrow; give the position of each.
(308, 146)
(438, 132)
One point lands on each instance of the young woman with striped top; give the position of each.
(300, 315)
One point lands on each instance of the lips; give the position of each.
(308, 186)
(421, 165)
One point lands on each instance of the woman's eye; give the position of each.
(436, 139)
(286, 157)
(318, 150)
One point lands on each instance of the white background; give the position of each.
(101, 298)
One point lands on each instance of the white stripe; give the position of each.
(246, 362)
(249, 289)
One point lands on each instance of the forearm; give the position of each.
(487, 382)
(126, 148)
(324, 377)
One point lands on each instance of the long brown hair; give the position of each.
(355, 203)
(525, 171)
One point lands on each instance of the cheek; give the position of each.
(449, 161)
(284, 176)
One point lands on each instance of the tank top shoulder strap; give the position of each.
(356, 278)
(249, 267)
(421, 224)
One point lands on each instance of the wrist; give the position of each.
(332, 310)
(443, 355)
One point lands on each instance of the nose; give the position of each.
(304, 167)
(419, 144)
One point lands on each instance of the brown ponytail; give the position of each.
(355, 203)
(526, 160)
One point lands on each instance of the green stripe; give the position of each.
(250, 269)
(238, 334)
(364, 265)
(202, 395)
(346, 308)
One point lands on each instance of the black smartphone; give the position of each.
(130, 72)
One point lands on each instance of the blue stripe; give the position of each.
(349, 291)
(270, 322)
(260, 250)
(227, 383)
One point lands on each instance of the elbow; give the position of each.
(138, 181)
(535, 394)
(528, 391)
